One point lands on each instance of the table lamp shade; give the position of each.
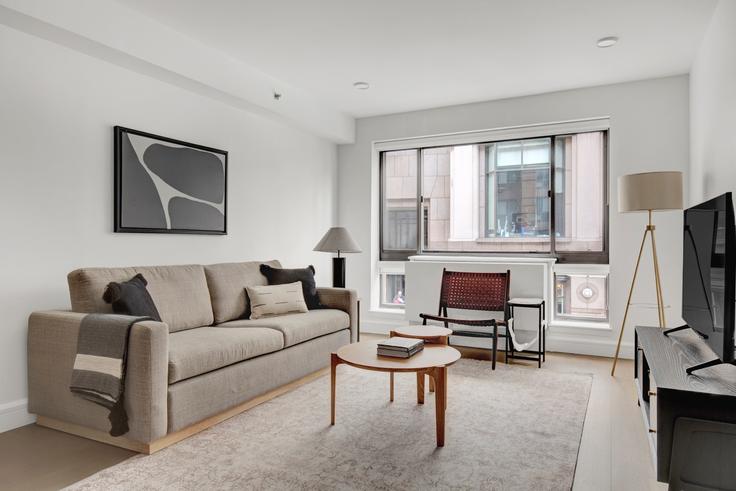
(337, 239)
(650, 191)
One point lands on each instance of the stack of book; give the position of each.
(400, 347)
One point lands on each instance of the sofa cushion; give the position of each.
(301, 327)
(227, 282)
(179, 292)
(280, 276)
(197, 351)
(273, 300)
(131, 298)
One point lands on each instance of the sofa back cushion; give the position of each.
(179, 292)
(227, 282)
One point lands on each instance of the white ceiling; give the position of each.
(418, 54)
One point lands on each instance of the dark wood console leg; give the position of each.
(667, 332)
(707, 364)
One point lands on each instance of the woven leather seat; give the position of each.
(474, 291)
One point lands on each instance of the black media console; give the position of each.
(691, 419)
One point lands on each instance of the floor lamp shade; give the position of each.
(650, 191)
(337, 239)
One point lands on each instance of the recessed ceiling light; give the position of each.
(607, 41)
(361, 85)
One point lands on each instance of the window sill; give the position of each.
(384, 312)
(482, 259)
(578, 325)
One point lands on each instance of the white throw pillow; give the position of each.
(267, 301)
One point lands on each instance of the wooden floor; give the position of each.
(613, 452)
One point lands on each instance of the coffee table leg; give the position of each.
(420, 387)
(440, 403)
(445, 396)
(334, 361)
(391, 398)
(431, 384)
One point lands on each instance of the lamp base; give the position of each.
(338, 272)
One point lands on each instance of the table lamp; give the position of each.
(648, 191)
(337, 239)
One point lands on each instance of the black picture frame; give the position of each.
(120, 133)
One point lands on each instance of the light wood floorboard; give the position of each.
(613, 453)
(38, 458)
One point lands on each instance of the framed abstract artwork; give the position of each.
(169, 186)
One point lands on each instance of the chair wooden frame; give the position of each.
(475, 291)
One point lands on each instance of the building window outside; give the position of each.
(517, 186)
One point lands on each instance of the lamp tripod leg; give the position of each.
(628, 301)
(658, 283)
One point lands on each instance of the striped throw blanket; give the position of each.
(99, 368)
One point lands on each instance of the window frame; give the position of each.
(573, 257)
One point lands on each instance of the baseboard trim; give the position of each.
(14, 415)
(177, 436)
(592, 347)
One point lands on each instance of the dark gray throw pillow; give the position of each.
(279, 276)
(131, 298)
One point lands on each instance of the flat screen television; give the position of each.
(709, 275)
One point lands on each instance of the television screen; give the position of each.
(708, 273)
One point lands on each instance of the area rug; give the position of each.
(516, 428)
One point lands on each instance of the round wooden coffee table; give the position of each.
(433, 361)
(430, 335)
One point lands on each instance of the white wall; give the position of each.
(713, 108)
(57, 110)
(649, 131)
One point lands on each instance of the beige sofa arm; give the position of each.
(342, 299)
(52, 345)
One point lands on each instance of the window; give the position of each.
(393, 290)
(392, 285)
(581, 297)
(399, 229)
(533, 195)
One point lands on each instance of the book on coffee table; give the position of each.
(399, 347)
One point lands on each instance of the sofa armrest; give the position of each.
(52, 347)
(342, 299)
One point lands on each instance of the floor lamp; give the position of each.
(648, 191)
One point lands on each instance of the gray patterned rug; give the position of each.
(515, 428)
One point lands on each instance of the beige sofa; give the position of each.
(198, 366)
